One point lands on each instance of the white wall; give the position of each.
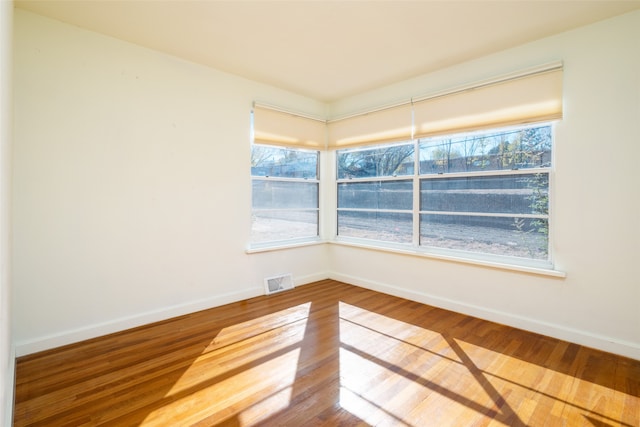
(131, 186)
(595, 208)
(7, 351)
(131, 191)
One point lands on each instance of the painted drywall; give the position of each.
(131, 188)
(131, 191)
(595, 226)
(7, 351)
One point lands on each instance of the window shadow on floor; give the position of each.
(326, 354)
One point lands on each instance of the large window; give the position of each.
(482, 193)
(462, 172)
(285, 194)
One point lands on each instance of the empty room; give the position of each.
(286, 213)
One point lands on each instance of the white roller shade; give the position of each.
(531, 98)
(386, 125)
(276, 127)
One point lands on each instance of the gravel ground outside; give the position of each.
(491, 240)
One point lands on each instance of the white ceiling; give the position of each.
(329, 50)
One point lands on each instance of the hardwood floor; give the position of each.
(326, 354)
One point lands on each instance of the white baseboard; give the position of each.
(310, 278)
(604, 343)
(93, 331)
(612, 345)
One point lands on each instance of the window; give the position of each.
(284, 194)
(487, 192)
(464, 172)
(375, 192)
(481, 193)
(284, 174)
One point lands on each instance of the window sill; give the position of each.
(459, 259)
(404, 251)
(283, 246)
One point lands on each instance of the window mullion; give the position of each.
(416, 193)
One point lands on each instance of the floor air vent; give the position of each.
(278, 283)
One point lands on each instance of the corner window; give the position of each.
(285, 188)
(475, 195)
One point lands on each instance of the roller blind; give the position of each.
(531, 98)
(275, 127)
(386, 125)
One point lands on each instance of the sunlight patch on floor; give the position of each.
(207, 395)
(264, 409)
(387, 364)
(367, 411)
(263, 350)
(269, 335)
(384, 326)
(259, 325)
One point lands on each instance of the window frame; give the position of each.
(484, 258)
(286, 241)
(409, 177)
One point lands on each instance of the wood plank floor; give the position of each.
(326, 354)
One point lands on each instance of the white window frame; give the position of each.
(534, 265)
(294, 241)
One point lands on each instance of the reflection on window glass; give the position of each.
(376, 195)
(384, 226)
(285, 187)
(485, 192)
(283, 162)
(509, 236)
(513, 149)
(280, 225)
(271, 194)
(517, 194)
(387, 160)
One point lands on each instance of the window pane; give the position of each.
(268, 194)
(268, 226)
(283, 162)
(502, 150)
(376, 195)
(517, 194)
(386, 160)
(512, 236)
(389, 227)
